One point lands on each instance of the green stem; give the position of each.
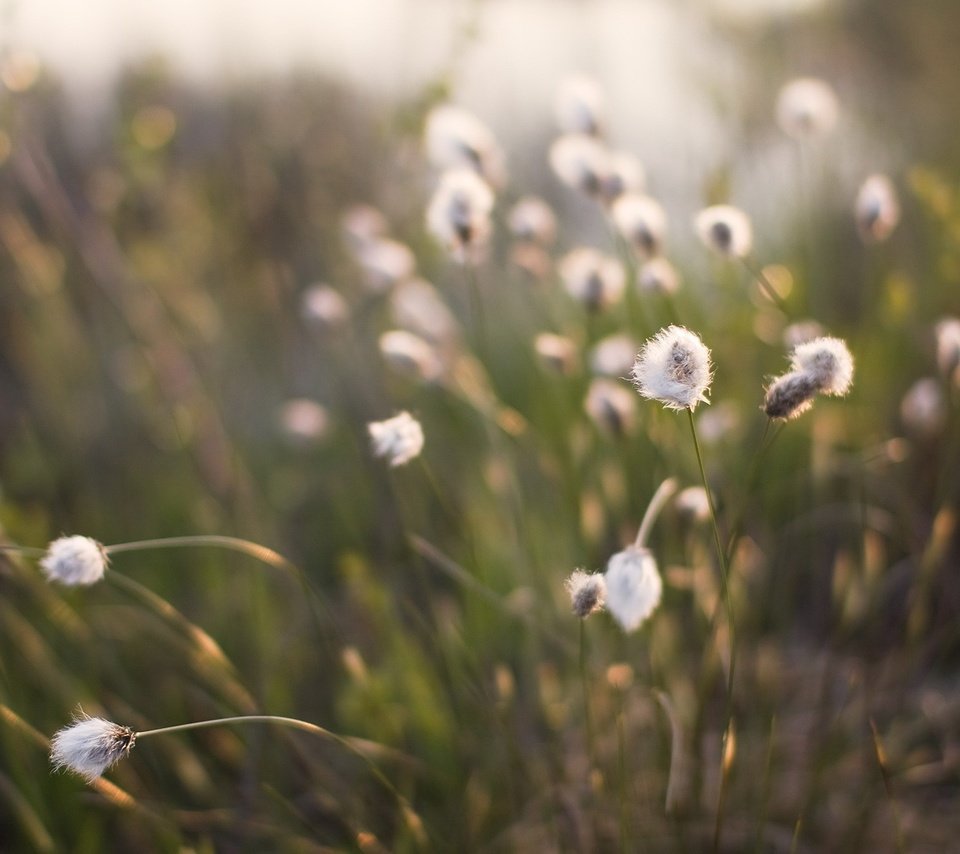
(728, 604)
(254, 550)
(660, 498)
(585, 683)
(765, 285)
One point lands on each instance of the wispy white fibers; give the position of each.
(398, 440)
(89, 746)
(634, 587)
(674, 368)
(75, 561)
(587, 592)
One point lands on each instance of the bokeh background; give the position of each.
(174, 178)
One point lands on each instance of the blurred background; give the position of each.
(190, 343)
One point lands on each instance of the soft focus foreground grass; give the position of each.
(150, 333)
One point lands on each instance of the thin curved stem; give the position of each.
(764, 282)
(660, 498)
(247, 547)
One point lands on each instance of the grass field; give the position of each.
(194, 308)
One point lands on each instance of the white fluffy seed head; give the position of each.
(790, 396)
(828, 362)
(877, 209)
(948, 348)
(581, 162)
(75, 561)
(532, 219)
(642, 222)
(634, 587)
(304, 421)
(613, 356)
(456, 138)
(725, 229)
(658, 276)
(410, 355)
(385, 262)
(625, 174)
(592, 278)
(459, 214)
(807, 107)
(587, 592)
(557, 353)
(89, 746)
(674, 368)
(398, 440)
(923, 409)
(611, 406)
(323, 307)
(580, 106)
(692, 502)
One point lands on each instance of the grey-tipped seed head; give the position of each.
(587, 592)
(790, 395)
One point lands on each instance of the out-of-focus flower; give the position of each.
(580, 106)
(410, 356)
(625, 174)
(581, 162)
(592, 278)
(613, 356)
(457, 139)
(877, 209)
(384, 263)
(658, 276)
(398, 439)
(923, 409)
(532, 219)
(611, 406)
(75, 561)
(363, 225)
(642, 222)
(725, 229)
(323, 307)
(948, 348)
(587, 592)
(89, 746)
(459, 214)
(692, 502)
(634, 587)
(674, 368)
(416, 305)
(557, 353)
(304, 421)
(807, 107)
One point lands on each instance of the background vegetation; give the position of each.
(151, 330)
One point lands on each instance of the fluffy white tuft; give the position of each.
(828, 362)
(587, 592)
(398, 439)
(725, 229)
(75, 561)
(459, 214)
(674, 368)
(89, 746)
(634, 587)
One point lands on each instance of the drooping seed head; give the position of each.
(634, 587)
(398, 439)
(790, 396)
(74, 561)
(828, 362)
(877, 209)
(725, 229)
(674, 368)
(587, 592)
(89, 746)
(807, 107)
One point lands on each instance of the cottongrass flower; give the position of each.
(625, 174)
(725, 229)
(581, 162)
(417, 306)
(593, 279)
(634, 587)
(459, 214)
(398, 439)
(828, 362)
(557, 353)
(613, 356)
(304, 421)
(611, 406)
(363, 225)
(876, 209)
(75, 561)
(658, 276)
(89, 746)
(923, 409)
(456, 138)
(384, 263)
(790, 395)
(947, 333)
(692, 502)
(580, 106)
(674, 368)
(642, 222)
(323, 307)
(533, 220)
(587, 592)
(410, 356)
(807, 107)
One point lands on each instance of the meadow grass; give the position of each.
(793, 688)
